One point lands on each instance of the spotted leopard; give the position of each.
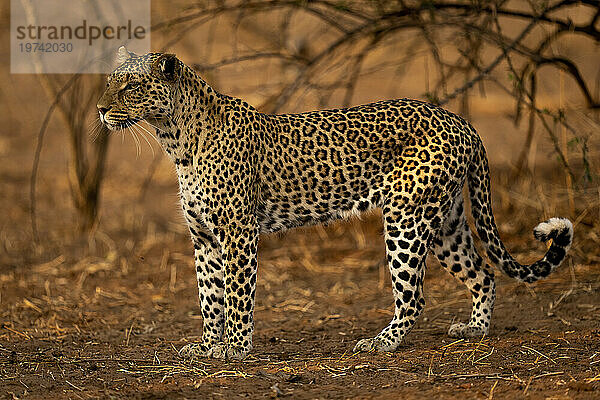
(242, 173)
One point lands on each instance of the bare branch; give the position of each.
(38, 152)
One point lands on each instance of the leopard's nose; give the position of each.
(102, 110)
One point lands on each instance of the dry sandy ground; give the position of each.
(103, 319)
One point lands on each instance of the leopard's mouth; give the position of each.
(121, 124)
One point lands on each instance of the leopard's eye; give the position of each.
(131, 85)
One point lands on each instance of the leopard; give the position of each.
(243, 173)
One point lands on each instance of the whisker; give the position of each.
(148, 132)
(143, 135)
(95, 127)
(94, 121)
(137, 142)
(132, 138)
(94, 133)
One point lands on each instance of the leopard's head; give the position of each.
(141, 87)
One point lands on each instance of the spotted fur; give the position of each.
(242, 173)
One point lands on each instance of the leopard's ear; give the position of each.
(167, 67)
(123, 55)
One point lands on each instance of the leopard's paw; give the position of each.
(193, 350)
(222, 351)
(365, 345)
(461, 330)
(372, 344)
(237, 353)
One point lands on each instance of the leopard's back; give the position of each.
(323, 165)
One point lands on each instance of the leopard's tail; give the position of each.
(559, 230)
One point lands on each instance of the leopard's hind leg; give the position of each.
(455, 250)
(416, 200)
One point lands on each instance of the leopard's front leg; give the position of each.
(239, 245)
(209, 274)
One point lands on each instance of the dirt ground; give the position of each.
(103, 318)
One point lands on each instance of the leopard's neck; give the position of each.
(194, 115)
